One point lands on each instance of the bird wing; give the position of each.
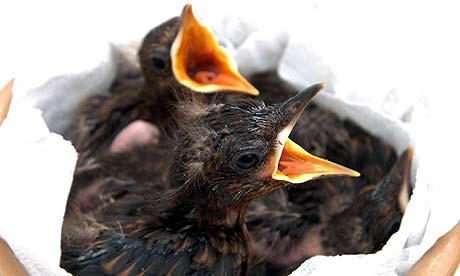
(110, 178)
(375, 214)
(99, 119)
(277, 233)
(160, 252)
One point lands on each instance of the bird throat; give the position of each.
(226, 218)
(229, 219)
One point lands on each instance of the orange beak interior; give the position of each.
(295, 165)
(5, 100)
(200, 63)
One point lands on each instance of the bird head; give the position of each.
(234, 153)
(183, 52)
(376, 214)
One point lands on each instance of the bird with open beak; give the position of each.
(178, 57)
(226, 155)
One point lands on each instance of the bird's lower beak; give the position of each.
(5, 100)
(291, 162)
(296, 165)
(200, 63)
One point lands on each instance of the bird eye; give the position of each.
(247, 161)
(158, 63)
(247, 157)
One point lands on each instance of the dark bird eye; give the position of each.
(158, 63)
(247, 161)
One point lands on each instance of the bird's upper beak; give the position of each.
(5, 100)
(200, 63)
(291, 162)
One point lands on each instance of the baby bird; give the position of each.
(282, 239)
(180, 53)
(226, 156)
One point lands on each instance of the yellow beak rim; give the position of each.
(201, 64)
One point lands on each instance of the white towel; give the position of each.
(36, 169)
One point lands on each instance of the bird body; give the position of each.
(167, 240)
(295, 216)
(197, 226)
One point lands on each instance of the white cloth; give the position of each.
(36, 170)
(381, 63)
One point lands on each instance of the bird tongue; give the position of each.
(5, 100)
(200, 63)
(296, 165)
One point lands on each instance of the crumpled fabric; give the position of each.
(36, 171)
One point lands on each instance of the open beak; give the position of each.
(291, 162)
(5, 100)
(200, 63)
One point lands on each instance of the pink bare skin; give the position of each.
(137, 133)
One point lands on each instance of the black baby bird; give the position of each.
(226, 156)
(180, 53)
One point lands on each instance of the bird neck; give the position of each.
(226, 218)
(151, 92)
(161, 90)
(157, 102)
(207, 210)
(209, 213)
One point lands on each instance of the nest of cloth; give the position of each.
(38, 163)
